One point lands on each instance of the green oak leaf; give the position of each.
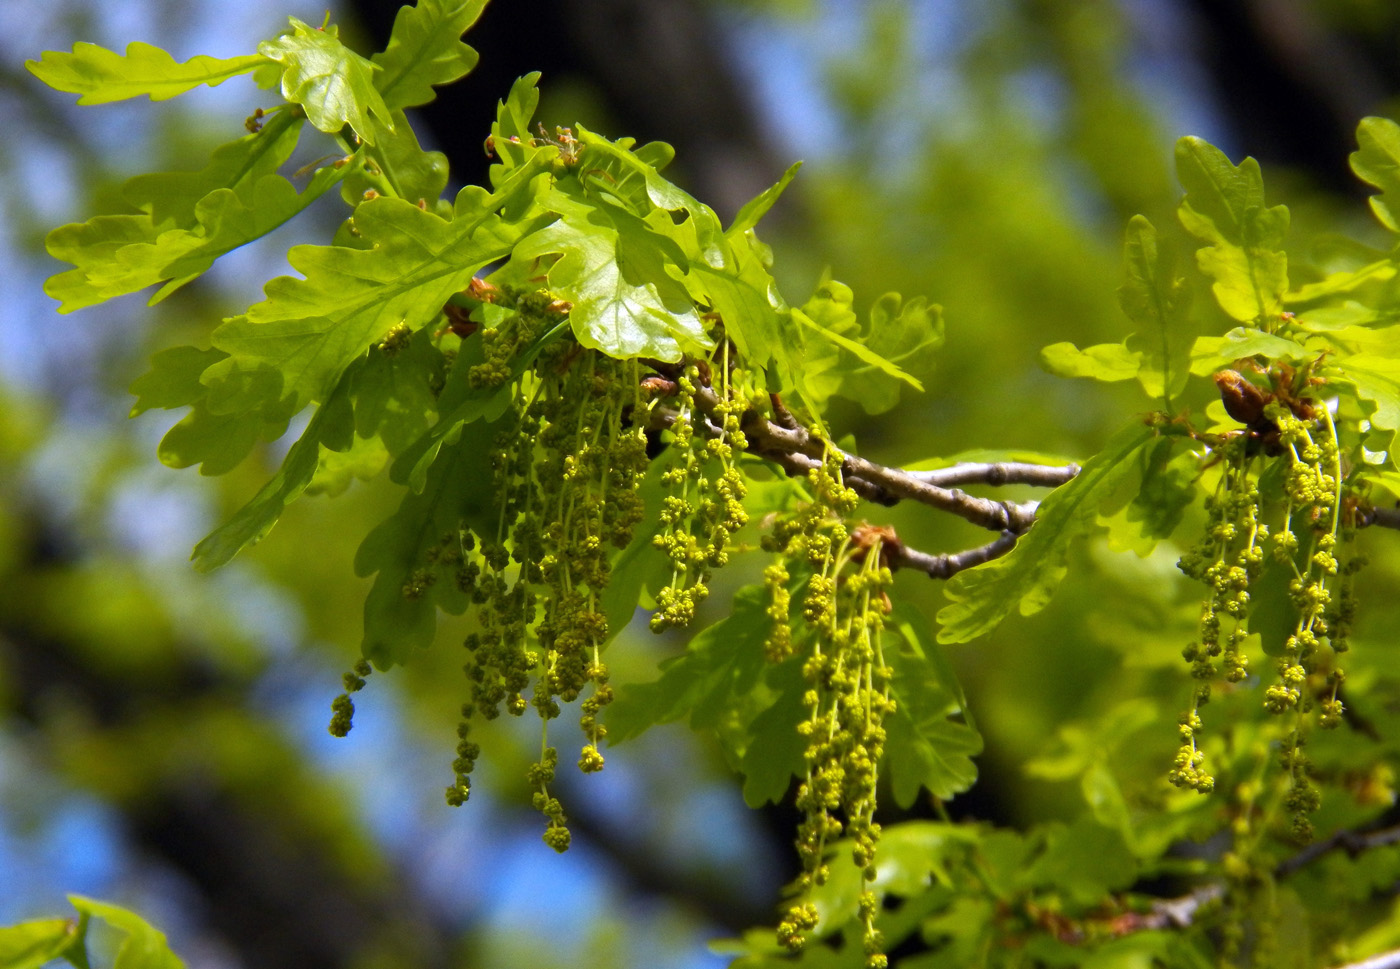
(393, 397)
(102, 75)
(332, 427)
(310, 329)
(1377, 162)
(404, 170)
(1157, 300)
(1025, 578)
(757, 207)
(774, 752)
(930, 746)
(510, 132)
(1344, 281)
(613, 270)
(1210, 353)
(217, 442)
(144, 947)
(34, 944)
(337, 470)
(173, 380)
(454, 494)
(719, 672)
(333, 84)
(1103, 361)
(1376, 383)
(425, 51)
(1224, 205)
(224, 220)
(1166, 489)
(170, 198)
(867, 364)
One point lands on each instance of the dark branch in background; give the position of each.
(795, 449)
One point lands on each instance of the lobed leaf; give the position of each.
(309, 330)
(930, 744)
(1103, 361)
(1224, 205)
(333, 84)
(1024, 579)
(719, 672)
(397, 620)
(1377, 162)
(425, 51)
(173, 380)
(33, 944)
(1210, 353)
(111, 263)
(331, 426)
(144, 947)
(613, 269)
(403, 169)
(1157, 300)
(100, 75)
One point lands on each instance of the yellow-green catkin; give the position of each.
(847, 694)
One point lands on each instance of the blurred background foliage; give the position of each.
(162, 735)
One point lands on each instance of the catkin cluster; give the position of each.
(1298, 447)
(847, 696)
(705, 490)
(567, 475)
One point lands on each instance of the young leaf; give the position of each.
(144, 947)
(928, 747)
(170, 198)
(717, 674)
(310, 329)
(1103, 361)
(1210, 353)
(401, 608)
(31, 945)
(111, 263)
(173, 380)
(774, 752)
(425, 51)
(404, 170)
(1024, 579)
(102, 75)
(1156, 300)
(217, 442)
(757, 207)
(332, 83)
(613, 269)
(1377, 161)
(1224, 205)
(331, 426)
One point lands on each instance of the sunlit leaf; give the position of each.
(332, 83)
(1377, 161)
(144, 947)
(425, 50)
(30, 945)
(1103, 361)
(1224, 205)
(1024, 579)
(1157, 300)
(310, 329)
(102, 75)
(401, 608)
(331, 426)
(613, 270)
